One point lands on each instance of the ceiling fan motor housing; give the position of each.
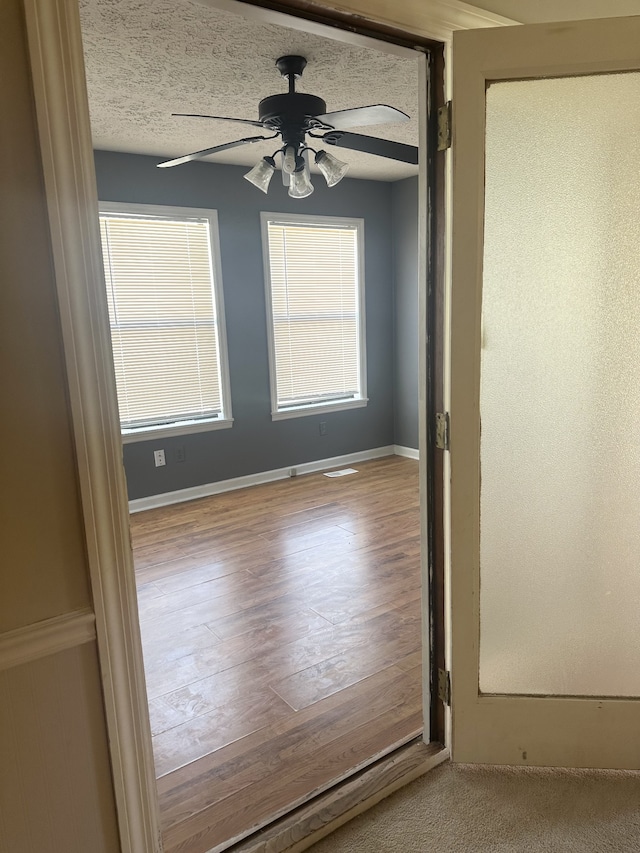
(293, 114)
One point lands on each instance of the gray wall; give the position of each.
(255, 443)
(404, 207)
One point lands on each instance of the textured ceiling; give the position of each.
(148, 58)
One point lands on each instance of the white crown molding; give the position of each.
(62, 112)
(48, 637)
(208, 489)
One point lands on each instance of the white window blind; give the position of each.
(315, 292)
(162, 311)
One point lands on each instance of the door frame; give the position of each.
(61, 106)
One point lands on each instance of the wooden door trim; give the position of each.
(62, 112)
(432, 360)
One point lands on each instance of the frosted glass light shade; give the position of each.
(333, 169)
(261, 174)
(300, 185)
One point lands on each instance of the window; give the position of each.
(314, 283)
(166, 314)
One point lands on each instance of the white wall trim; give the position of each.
(62, 112)
(46, 638)
(207, 489)
(408, 452)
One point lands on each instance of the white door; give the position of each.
(545, 351)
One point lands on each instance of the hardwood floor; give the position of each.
(281, 637)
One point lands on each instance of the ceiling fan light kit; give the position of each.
(293, 115)
(289, 157)
(261, 174)
(333, 169)
(300, 185)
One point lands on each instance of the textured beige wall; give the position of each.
(42, 548)
(55, 788)
(55, 779)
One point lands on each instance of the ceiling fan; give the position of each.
(293, 116)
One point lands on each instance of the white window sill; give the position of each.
(168, 430)
(319, 409)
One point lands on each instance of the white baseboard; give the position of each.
(207, 489)
(409, 452)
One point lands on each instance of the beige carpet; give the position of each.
(472, 809)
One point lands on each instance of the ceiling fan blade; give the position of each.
(363, 116)
(373, 145)
(197, 155)
(220, 118)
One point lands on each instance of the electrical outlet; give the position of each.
(158, 458)
(323, 427)
(179, 454)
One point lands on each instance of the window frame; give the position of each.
(278, 414)
(173, 212)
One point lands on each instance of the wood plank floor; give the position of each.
(281, 637)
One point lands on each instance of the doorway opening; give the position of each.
(154, 597)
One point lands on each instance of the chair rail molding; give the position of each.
(48, 637)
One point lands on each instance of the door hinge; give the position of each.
(444, 127)
(442, 430)
(444, 686)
